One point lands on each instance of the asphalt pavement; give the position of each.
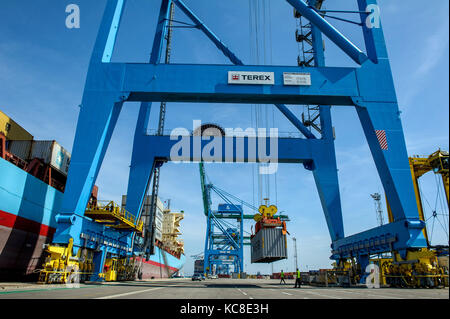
(208, 289)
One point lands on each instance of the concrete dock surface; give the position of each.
(185, 288)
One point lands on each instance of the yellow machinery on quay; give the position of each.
(425, 267)
(62, 266)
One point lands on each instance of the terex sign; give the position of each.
(236, 77)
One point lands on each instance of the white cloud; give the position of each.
(434, 49)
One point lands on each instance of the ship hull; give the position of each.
(155, 267)
(27, 221)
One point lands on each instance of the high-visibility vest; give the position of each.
(298, 274)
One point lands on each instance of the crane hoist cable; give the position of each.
(275, 175)
(255, 57)
(434, 210)
(261, 54)
(150, 233)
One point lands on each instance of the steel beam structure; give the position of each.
(368, 87)
(221, 243)
(228, 241)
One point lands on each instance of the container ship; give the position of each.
(32, 179)
(168, 258)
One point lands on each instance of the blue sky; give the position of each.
(43, 67)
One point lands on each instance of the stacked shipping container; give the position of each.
(50, 152)
(159, 217)
(12, 130)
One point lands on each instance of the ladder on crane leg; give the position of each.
(150, 227)
(303, 35)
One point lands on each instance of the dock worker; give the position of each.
(297, 279)
(282, 277)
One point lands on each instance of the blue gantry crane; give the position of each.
(224, 243)
(367, 87)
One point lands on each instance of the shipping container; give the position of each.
(12, 130)
(268, 245)
(147, 206)
(158, 234)
(51, 153)
(21, 149)
(158, 224)
(198, 266)
(159, 214)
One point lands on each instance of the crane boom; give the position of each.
(205, 190)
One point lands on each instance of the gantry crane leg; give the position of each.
(142, 162)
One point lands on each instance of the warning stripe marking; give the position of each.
(382, 139)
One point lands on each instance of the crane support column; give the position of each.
(88, 157)
(325, 172)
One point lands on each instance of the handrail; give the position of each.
(118, 212)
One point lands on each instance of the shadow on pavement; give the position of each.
(200, 285)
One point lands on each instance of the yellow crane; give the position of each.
(421, 268)
(62, 266)
(437, 163)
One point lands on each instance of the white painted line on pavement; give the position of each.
(129, 293)
(321, 295)
(244, 293)
(134, 292)
(286, 293)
